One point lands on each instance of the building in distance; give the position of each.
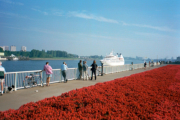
(2, 47)
(5, 48)
(13, 48)
(139, 58)
(178, 58)
(23, 48)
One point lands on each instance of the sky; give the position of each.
(145, 28)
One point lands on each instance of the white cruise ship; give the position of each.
(13, 57)
(113, 60)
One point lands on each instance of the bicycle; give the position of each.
(31, 80)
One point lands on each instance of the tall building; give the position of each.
(23, 48)
(6, 48)
(13, 48)
(178, 58)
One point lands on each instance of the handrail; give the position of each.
(16, 78)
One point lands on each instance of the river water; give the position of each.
(15, 66)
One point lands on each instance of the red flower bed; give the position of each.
(152, 94)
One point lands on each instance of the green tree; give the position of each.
(34, 53)
(1, 50)
(42, 54)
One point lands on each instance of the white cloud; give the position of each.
(58, 13)
(11, 2)
(11, 15)
(150, 26)
(45, 13)
(155, 27)
(157, 36)
(124, 23)
(35, 9)
(93, 17)
(19, 3)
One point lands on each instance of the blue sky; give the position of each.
(93, 27)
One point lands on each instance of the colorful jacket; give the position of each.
(48, 69)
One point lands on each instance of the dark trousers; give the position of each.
(80, 74)
(93, 72)
(64, 75)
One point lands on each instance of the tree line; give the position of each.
(41, 54)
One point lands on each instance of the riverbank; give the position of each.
(54, 58)
(61, 58)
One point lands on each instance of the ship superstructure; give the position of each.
(113, 60)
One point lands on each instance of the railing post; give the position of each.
(60, 80)
(111, 69)
(75, 74)
(42, 83)
(15, 84)
(43, 77)
(101, 69)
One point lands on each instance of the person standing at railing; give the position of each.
(85, 68)
(94, 68)
(49, 73)
(80, 69)
(63, 70)
(2, 76)
(145, 65)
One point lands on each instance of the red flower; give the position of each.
(149, 95)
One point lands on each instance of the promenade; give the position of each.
(17, 98)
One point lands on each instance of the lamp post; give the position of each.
(101, 69)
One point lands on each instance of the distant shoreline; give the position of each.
(59, 59)
(53, 59)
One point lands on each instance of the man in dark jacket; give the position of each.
(80, 69)
(94, 67)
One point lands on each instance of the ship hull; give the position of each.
(106, 63)
(14, 59)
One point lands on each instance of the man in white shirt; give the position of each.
(2, 76)
(64, 69)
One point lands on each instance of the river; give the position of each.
(15, 66)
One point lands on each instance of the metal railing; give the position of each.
(16, 78)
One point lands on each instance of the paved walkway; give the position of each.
(17, 98)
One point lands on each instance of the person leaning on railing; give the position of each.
(94, 68)
(85, 68)
(145, 65)
(2, 76)
(63, 70)
(80, 67)
(49, 73)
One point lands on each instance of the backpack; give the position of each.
(1, 74)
